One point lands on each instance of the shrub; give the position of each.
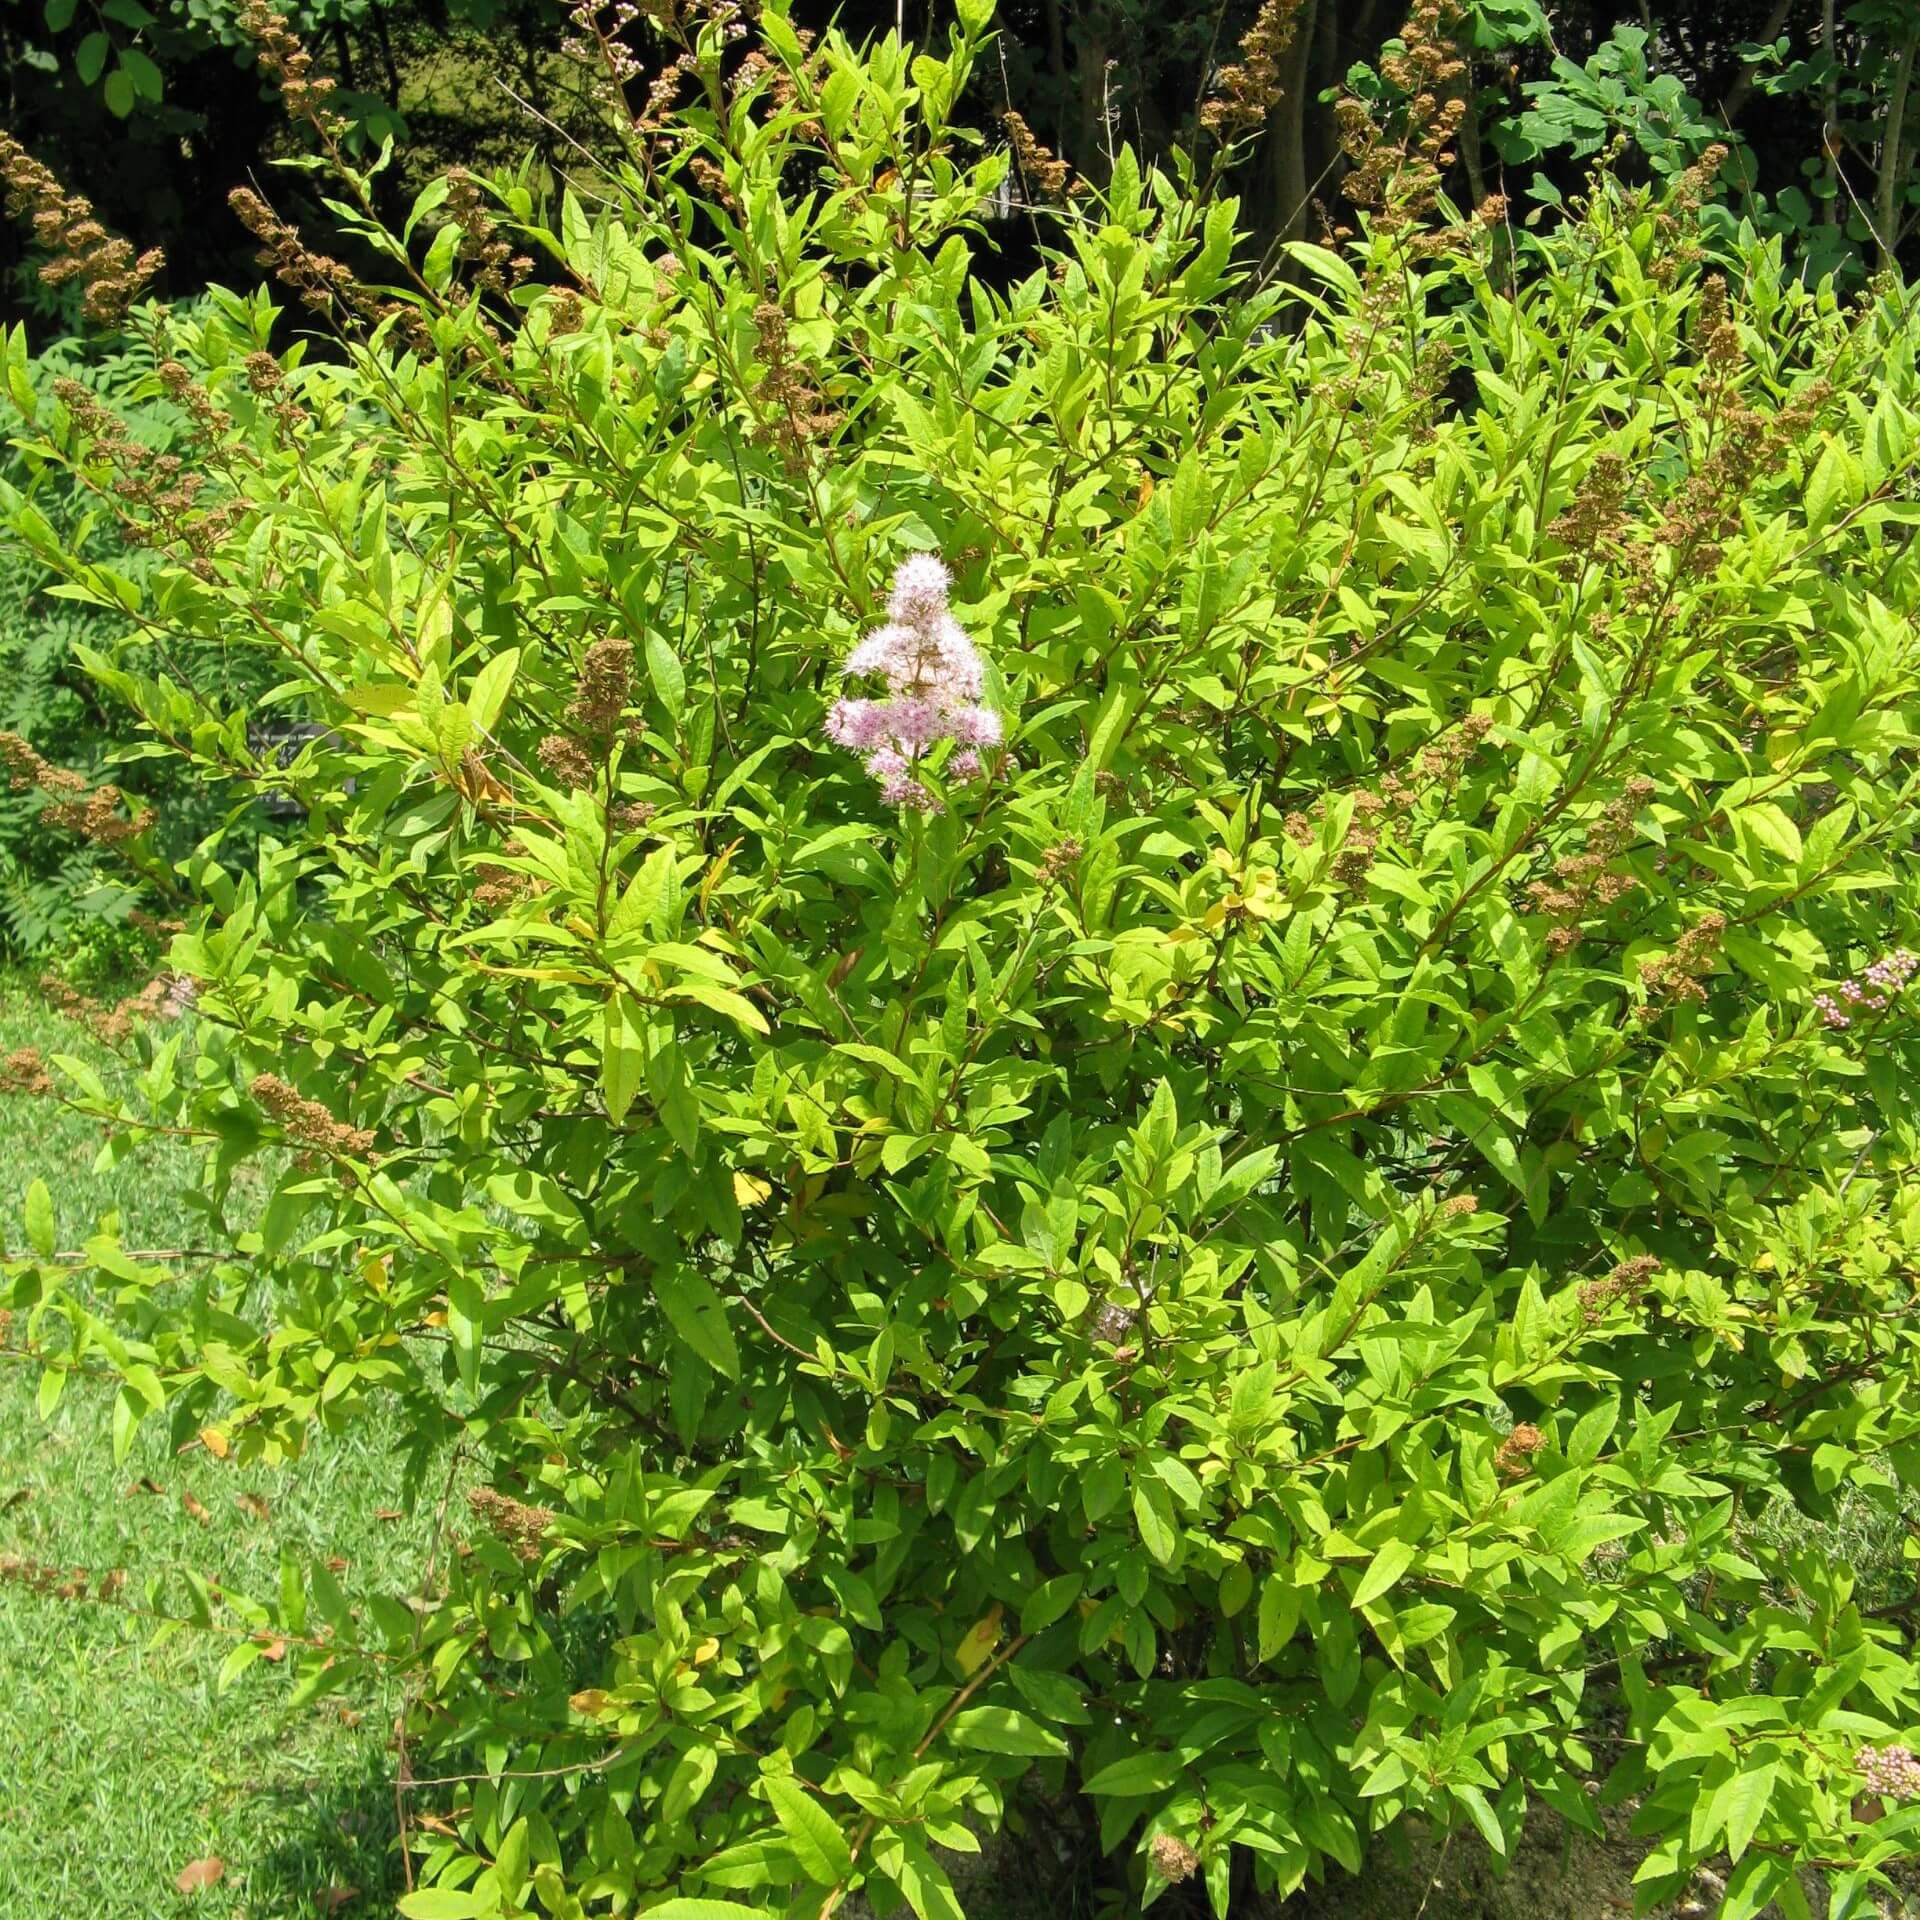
(58, 898)
(1263, 1263)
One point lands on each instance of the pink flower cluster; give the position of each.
(1891, 1772)
(1872, 992)
(934, 681)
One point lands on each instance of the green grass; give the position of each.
(120, 1759)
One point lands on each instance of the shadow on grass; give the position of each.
(335, 1848)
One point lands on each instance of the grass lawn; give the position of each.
(120, 1759)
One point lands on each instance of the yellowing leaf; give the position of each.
(980, 1640)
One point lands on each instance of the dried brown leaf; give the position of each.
(198, 1874)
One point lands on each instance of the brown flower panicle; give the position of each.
(1044, 173)
(566, 760)
(324, 285)
(1173, 1858)
(158, 497)
(1586, 883)
(1246, 92)
(1058, 861)
(602, 689)
(307, 94)
(1516, 1451)
(24, 1071)
(92, 813)
(308, 1122)
(1598, 512)
(1625, 1281)
(81, 248)
(496, 267)
(1675, 976)
(799, 414)
(519, 1525)
(1400, 177)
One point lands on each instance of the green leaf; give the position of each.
(681, 1908)
(487, 698)
(143, 73)
(1153, 1515)
(41, 1227)
(819, 1845)
(1049, 1602)
(668, 676)
(1754, 1882)
(1828, 486)
(924, 1881)
(1001, 1730)
(646, 893)
(118, 93)
(688, 1782)
(127, 1412)
(696, 1314)
(1279, 1615)
(623, 1060)
(1592, 1431)
(441, 1903)
(1387, 1567)
(1482, 1815)
(90, 58)
(1743, 1804)
(1241, 1178)
(1139, 1774)
(1236, 1588)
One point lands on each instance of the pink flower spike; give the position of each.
(977, 726)
(884, 650)
(920, 587)
(905, 791)
(859, 724)
(934, 678)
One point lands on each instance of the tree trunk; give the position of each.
(1890, 198)
(1470, 145)
(1830, 105)
(1057, 67)
(1736, 95)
